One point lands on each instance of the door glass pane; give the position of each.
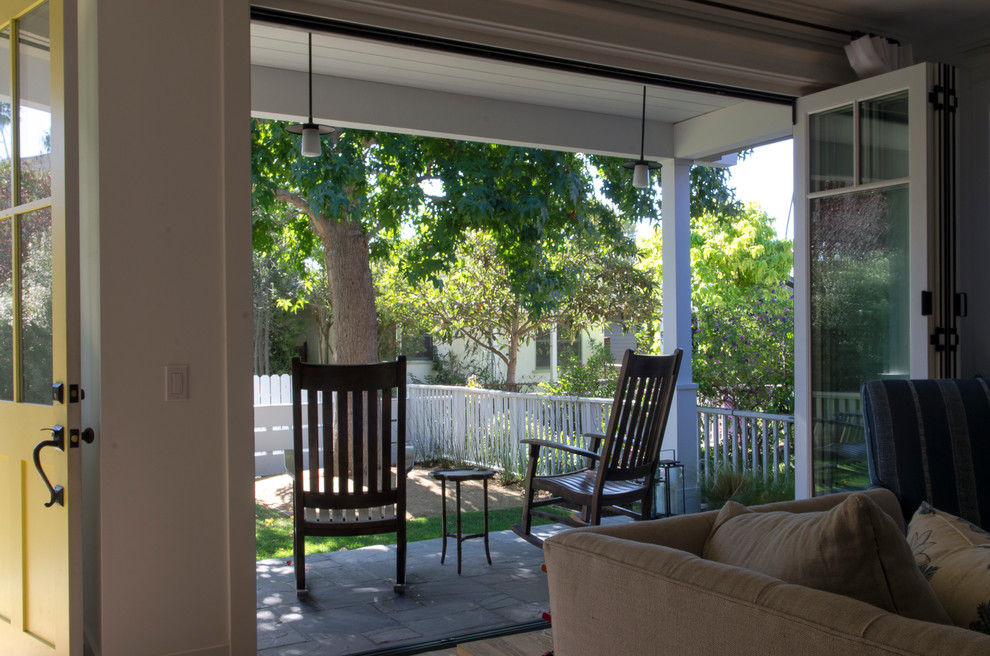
(884, 138)
(6, 134)
(6, 312)
(36, 306)
(831, 149)
(859, 321)
(35, 124)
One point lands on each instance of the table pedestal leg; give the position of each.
(443, 513)
(457, 485)
(487, 552)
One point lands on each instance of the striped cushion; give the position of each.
(929, 440)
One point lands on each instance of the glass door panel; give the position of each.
(6, 310)
(34, 117)
(6, 131)
(884, 136)
(832, 160)
(36, 306)
(861, 262)
(859, 320)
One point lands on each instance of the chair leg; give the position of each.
(299, 558)
(525, 531)
(646, 505)
(400, 557)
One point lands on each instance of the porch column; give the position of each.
(682, 426)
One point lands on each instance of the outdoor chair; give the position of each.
(623, 470)
(929, 440)
(349, 477)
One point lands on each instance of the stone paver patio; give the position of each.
(352, 609)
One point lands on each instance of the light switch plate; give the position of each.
(177, 382)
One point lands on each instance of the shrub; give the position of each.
(746, 488)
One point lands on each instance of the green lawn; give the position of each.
(274, 531)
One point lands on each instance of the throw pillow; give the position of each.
(954, 555)
(855, 549)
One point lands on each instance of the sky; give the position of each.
(767, 178)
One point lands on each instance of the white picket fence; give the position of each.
(485, 427)
(745, 442)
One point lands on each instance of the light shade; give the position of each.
(641, 176)
(641, 167)
(310, 131)
(311, 146)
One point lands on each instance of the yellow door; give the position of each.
(40, 542)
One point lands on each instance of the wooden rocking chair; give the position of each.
(347, 479)
(623, 470)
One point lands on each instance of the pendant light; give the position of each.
(310, 131)
(641, 168)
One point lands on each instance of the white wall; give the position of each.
(165, 106)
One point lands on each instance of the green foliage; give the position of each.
(596, 378)
(743, 318)
(589, 282)
(278, 329)
(745, 488)
(534, 205)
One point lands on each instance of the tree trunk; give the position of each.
(510, 368)
(352, 292)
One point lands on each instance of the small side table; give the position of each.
(457, 476)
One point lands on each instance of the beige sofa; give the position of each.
(643, 588)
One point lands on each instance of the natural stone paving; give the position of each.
(351, 606)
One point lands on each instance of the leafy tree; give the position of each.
(475, 300)
(596, 378)
(743, 318)
(276, 327)
(356, 198)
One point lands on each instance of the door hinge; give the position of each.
(942, 98)
(927, 302)
(945, 340)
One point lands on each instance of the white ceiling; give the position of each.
(373, 61)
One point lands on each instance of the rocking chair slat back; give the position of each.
(347, 482)
(639, 416)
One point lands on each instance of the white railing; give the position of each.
(745, 442)
(485, 426)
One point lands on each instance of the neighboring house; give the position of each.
(153, 552)
(535, 358)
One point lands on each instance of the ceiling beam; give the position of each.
(731, 129)
(344, 102)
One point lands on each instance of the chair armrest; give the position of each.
(596, 440)
(535, 445)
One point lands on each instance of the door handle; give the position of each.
(57, 441)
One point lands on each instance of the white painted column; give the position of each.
(682, 426)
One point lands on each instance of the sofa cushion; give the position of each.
(854, 549)
(954, 555)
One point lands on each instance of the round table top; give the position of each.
(463, 474)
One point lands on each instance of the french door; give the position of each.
(873, 257)
(40, 528)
